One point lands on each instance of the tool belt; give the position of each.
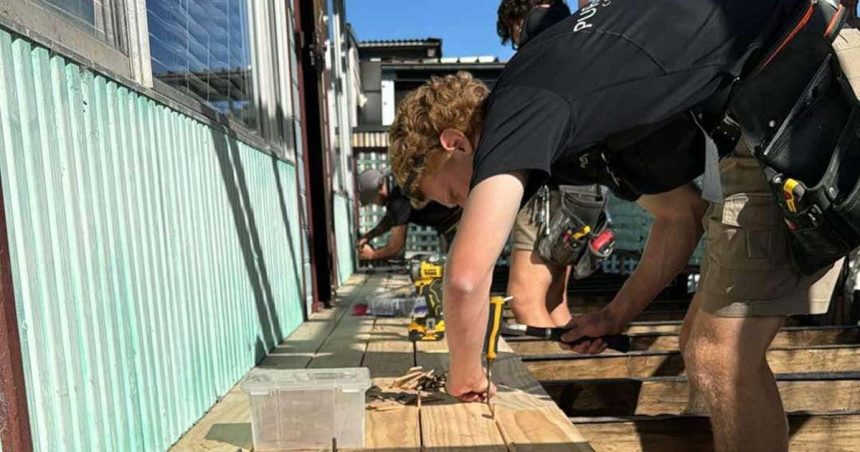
(801, 118)
(576, 232)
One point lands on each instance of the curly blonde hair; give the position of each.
(450, 102)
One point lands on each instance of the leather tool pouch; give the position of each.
(802, 120)
(580, 216)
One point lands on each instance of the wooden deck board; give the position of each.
(390, 354)
(397, 429)
(808, 432)
(227, 426)
(527, 418)
(346, 345)
(299, 349)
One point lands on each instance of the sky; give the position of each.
(466, 27)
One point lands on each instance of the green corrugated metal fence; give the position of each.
(155, 258)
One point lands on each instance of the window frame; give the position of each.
(50, 27)
(60, 32)
(268, 30)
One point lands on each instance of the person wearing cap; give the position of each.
(378, 188)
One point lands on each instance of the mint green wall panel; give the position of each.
(344, 236)
(155, 259)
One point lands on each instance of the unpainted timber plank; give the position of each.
(432, 355)
(452, 426)
(538, 429)
(459, 426)
(297, 350)
(580, 306)
(395, 429)
(808, 432)
(526, 417)
(796, 337)
(787, 338)
(570, 366)
(799, 395)
(659, 395)
(643, 317)
(650, 342)
(346, 345)
(227, 426)
(669, 327)
(389, 353)
(674, 326)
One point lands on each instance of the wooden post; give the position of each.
(310, 59)
(14, 416)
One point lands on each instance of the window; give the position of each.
(102, 18)
(202, 48)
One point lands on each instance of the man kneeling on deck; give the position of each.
(621, 94)
(377, 187)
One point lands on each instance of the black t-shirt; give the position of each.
(612, 67)
(400, 212)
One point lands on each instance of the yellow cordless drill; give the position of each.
(426, 274)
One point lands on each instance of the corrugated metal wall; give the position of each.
(154, 258)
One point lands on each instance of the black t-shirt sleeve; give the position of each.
(664, 160)
(398, 209)
(524, 129)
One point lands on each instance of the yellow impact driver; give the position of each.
(427, 275)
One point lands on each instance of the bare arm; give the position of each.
(381, 228)
(487, 220)
(673, 237)
(395, 244)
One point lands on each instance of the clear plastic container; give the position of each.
(307, 408)
(394, 306)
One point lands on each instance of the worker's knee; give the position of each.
(528, 283)
(709, 366)
(525, 301)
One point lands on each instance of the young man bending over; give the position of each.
(606, 97)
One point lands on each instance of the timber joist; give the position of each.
(639, 400)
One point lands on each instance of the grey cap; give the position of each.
(368, 185)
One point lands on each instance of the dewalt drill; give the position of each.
(426, 274)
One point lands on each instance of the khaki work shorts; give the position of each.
(526, 226)
(747, 269)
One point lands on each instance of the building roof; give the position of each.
(401, 42)
(469, 60)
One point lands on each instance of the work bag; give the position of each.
(801, 117)
(568, 235)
